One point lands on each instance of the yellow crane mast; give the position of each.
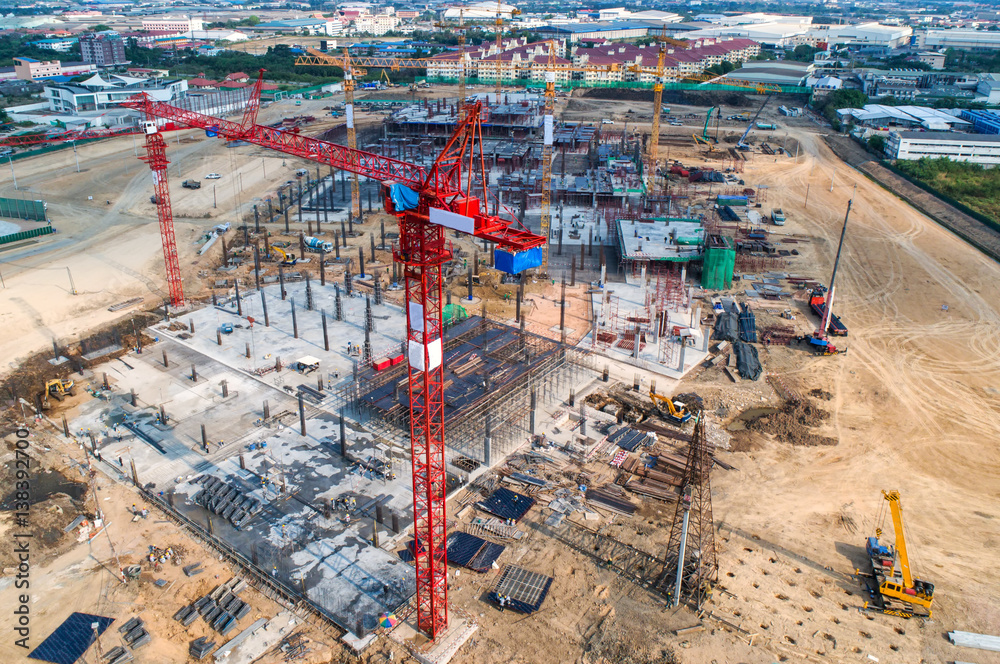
(350, 72)
(548, 129)
(898, 592)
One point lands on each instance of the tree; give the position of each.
(803, 53)
(839, 99)
(877, 143)
(100, 27)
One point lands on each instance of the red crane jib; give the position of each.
(437, 189)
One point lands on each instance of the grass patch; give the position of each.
(970, 184)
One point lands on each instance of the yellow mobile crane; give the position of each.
(896, 592)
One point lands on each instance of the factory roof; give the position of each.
(950, 136)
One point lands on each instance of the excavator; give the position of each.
(675, 411)
(58, 388)
(893, 590)
(284, 258)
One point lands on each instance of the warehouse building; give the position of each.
(975, 148)
(963, 40)
(877, 115)
(983, 122)
(576, 31)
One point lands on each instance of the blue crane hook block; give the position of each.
(517, 262)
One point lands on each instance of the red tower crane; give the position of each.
(452, 194)
(156, 157)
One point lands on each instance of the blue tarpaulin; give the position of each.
(403, 198)
(506, 504)
(515, 263)
(71, 639)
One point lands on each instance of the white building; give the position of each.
(975, 148)
(375, 24)
(217, 35)
(101, 93)
(863, 35)
(480, 11)
(968, 40)
(176, 23)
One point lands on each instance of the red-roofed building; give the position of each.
(202, 84)
(229, 85)
(238, 77)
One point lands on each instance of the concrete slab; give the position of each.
(444, 647)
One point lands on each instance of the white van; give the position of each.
(607, 121)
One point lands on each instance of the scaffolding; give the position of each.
(496, 375)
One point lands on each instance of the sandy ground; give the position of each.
(915, 406)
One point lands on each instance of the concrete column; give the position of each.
(281, 280)
(343, 435)
(326, 336)
(166, 363)
(336, 244)
(532, 411)
(225, 389)
(487, 443)
(295, 322)
(681, 364)
(204, 437)
(322, 267)
(263, 304)
(302, 415)
(194, 373)
(239, 300)
(256, 266)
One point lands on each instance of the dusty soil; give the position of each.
(793, 424)
(914, 406)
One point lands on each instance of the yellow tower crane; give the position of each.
(499, 28)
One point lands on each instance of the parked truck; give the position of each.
(191, 184)
(315, 244)
(778, 217)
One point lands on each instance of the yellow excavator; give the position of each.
(58, 388)
(284, 258)
(894, 590)
(675, 411)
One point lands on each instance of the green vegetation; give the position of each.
(803, 53)
(970, 184)
(838, 99)
(955, 60)
(723, 68)
(247, 22)
(877, 144)
(12, 46)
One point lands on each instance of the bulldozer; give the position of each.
(674, 411)
(58, 388)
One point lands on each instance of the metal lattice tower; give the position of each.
(156, 157)
(701, 564)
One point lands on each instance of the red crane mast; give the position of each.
(156, 157)
(426, 202)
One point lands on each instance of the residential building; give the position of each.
(975, 148)
(29, 69)
(375, 24)
(180, 24)
(104, 49)
(60, 45)
(144, 72)
(407, 15)
(103, 92)
(313, 26)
